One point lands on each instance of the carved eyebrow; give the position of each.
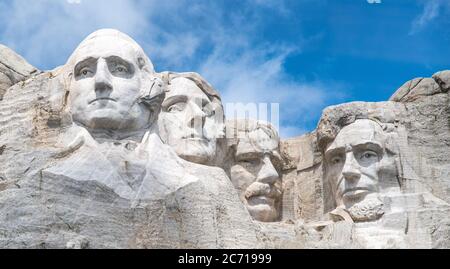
(339, 150)
(370, 145)
(249, 156)
(334, 151)
(84, 62)
(174, 99)
(117, 59)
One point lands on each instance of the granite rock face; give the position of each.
(13, 69)
(105, 152)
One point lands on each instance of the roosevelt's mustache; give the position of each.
(262, 189)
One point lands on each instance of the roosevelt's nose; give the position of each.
(268, 174)
(350, 171)
(102, 77)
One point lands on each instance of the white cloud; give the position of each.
(432, 10)
(47, 31)
(218, 42)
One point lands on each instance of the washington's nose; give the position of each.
(102, 78)
(268, 174)
(350, 171)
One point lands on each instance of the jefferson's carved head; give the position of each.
(254, 171)
(191, 118)
(355, 162)
(111, 80)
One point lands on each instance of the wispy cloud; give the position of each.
(219, 42)
(432, 9)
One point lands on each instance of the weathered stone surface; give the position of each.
(13, 69)
(104, 152)
(46, 208)
(443, 79)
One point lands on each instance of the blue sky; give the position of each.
(303, 54)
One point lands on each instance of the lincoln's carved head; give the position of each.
(111, 82)
(355, 162)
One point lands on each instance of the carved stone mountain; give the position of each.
(72, 175)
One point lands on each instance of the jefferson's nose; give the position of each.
(196, 117)
(268, 174)
(102, 77)
(350, 171)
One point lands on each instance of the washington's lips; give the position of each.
(102, 98)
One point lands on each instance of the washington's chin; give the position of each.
(262, 208)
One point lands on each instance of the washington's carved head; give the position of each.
(355, 162)
(254, 171)
(191, 118)
(111, 80)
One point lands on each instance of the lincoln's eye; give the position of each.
(369, 156)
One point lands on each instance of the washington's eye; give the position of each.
(176, 107)
(85, 72)
(120, 69)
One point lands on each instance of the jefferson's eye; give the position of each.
(336, 160)
(209, 112)
(176, 107)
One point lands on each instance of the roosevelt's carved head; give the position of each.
(254, 171)
(111, 82)
(191, 118)
(356, 161)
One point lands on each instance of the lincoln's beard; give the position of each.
(367, 210)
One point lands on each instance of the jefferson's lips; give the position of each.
(102, 98)
(195, 138)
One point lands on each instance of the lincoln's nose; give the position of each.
(350, 171)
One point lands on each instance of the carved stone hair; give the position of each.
(142, 59)
(208, 89)
(334, 118)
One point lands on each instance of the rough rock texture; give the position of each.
(417, 215)
(372, 175)
(42, 209)
(13, 69)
